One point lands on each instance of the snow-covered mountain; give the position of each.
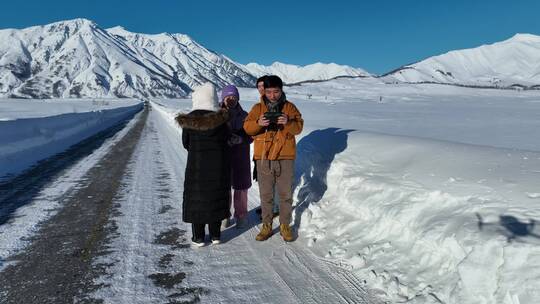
(294, 73)
(77, 58)
(512, 62)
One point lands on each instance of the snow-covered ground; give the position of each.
(428, 192)
(32, 130)
(152, 249)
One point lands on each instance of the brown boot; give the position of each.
(286, 232)
(265, 233)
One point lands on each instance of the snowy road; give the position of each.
(57, 266)
(119, 238)
(151, 252)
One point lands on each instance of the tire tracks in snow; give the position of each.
(146, 257)
(242, 270)
(310, 278)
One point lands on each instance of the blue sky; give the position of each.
(375, 35)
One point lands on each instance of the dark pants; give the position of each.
(213, 228)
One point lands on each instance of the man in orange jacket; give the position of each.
(273, 123)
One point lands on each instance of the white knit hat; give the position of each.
(204, 97)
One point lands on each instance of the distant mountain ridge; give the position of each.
(77, 58)
(293, 73)
(514, 62)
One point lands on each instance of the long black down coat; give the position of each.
(207, 180)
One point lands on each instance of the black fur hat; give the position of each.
(273, 81)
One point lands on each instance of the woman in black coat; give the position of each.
(207, 179)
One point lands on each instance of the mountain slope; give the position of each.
(77, 58)
(513, 62)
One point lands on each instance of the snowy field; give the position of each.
(432, 191)
(32, 130)
(429, 193)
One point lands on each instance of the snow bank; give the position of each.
(17, 233)
(423, 221)
(24, 141)
(427, 192)
(11, 109)
(169, 108)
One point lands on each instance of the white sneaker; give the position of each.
(216, 241)
(197, 243)
(225, 223)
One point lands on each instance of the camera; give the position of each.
(272, 116)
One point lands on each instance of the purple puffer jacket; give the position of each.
(240, 158)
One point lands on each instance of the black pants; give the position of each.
(213, 228)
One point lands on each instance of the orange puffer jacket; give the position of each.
(274, 145)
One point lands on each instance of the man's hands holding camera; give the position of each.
(272, 117)
(283, 119)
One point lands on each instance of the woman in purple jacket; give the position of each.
(240, 157)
